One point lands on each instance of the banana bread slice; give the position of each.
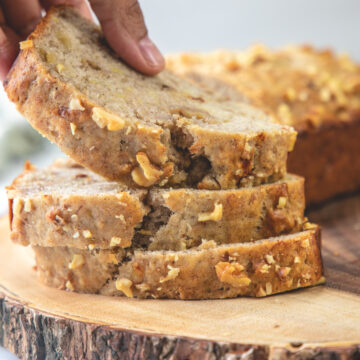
(315, 91)
(68, 205)
(261, 268)
(138, 129)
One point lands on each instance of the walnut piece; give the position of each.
(74, 104)
(111, 258)
(87, 234)
(60, 68)
(269, 259)
(268, 288)
(124, 285)
(172, 274)
(145, 174)
(27, 44)
(282, 202)
(69, 285)
(77, 261)
(28, 205)
(105, 119)
(232, 273)
(73, 128)
(215, 215)
(117, 241)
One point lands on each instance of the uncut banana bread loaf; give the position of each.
(315, 91)
(68, 205)
(260, 268)
(140, 130)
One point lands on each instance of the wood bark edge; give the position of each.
(31, 334)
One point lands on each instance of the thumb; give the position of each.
(123, 25)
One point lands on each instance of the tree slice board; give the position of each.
(322, 322)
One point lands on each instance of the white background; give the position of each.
(203, 25)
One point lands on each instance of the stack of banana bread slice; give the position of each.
(180, 194)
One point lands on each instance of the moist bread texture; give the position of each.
(316, 92)
(142, 130)
(68, 205)
(258, 269)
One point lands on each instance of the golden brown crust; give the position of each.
(262, 268)
(67, 117)
(68, 205)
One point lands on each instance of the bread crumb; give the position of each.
(215, 215)
(124, 285)
(77, 261)
(143, 287)
(26, 44)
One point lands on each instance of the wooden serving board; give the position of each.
(322, 322)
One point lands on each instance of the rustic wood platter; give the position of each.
(322, 322)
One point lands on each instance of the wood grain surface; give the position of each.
(322, 322)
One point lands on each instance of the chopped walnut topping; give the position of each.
(117, 241)
(305, 243)
(87, 234)
(283, 272)
(74, 104)
(26, 44)
(296, 260)
(232, 273)
(73, 128)
(69, 285)
(309, 226)
(269, 259)
(265, 268)
(124, 285)
(282, 202)
(172, 274)
(143, 287)
(60, 68)
(77, 261)
(17, 206)
(121, 218)
(261, 292)
(105, 119)
(292, 141)
(146, 174)
(28, 205)
(268, 288)
(215, 215)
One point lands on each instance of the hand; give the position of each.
(121, 20)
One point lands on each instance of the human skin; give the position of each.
(122, 22)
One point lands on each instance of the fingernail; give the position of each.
(151, 53)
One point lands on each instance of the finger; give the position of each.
(9, 47)
(22, 15)
(81, 5)
(123, 25)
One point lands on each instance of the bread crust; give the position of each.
(262, 268)
(233, 159)
(68, 205)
